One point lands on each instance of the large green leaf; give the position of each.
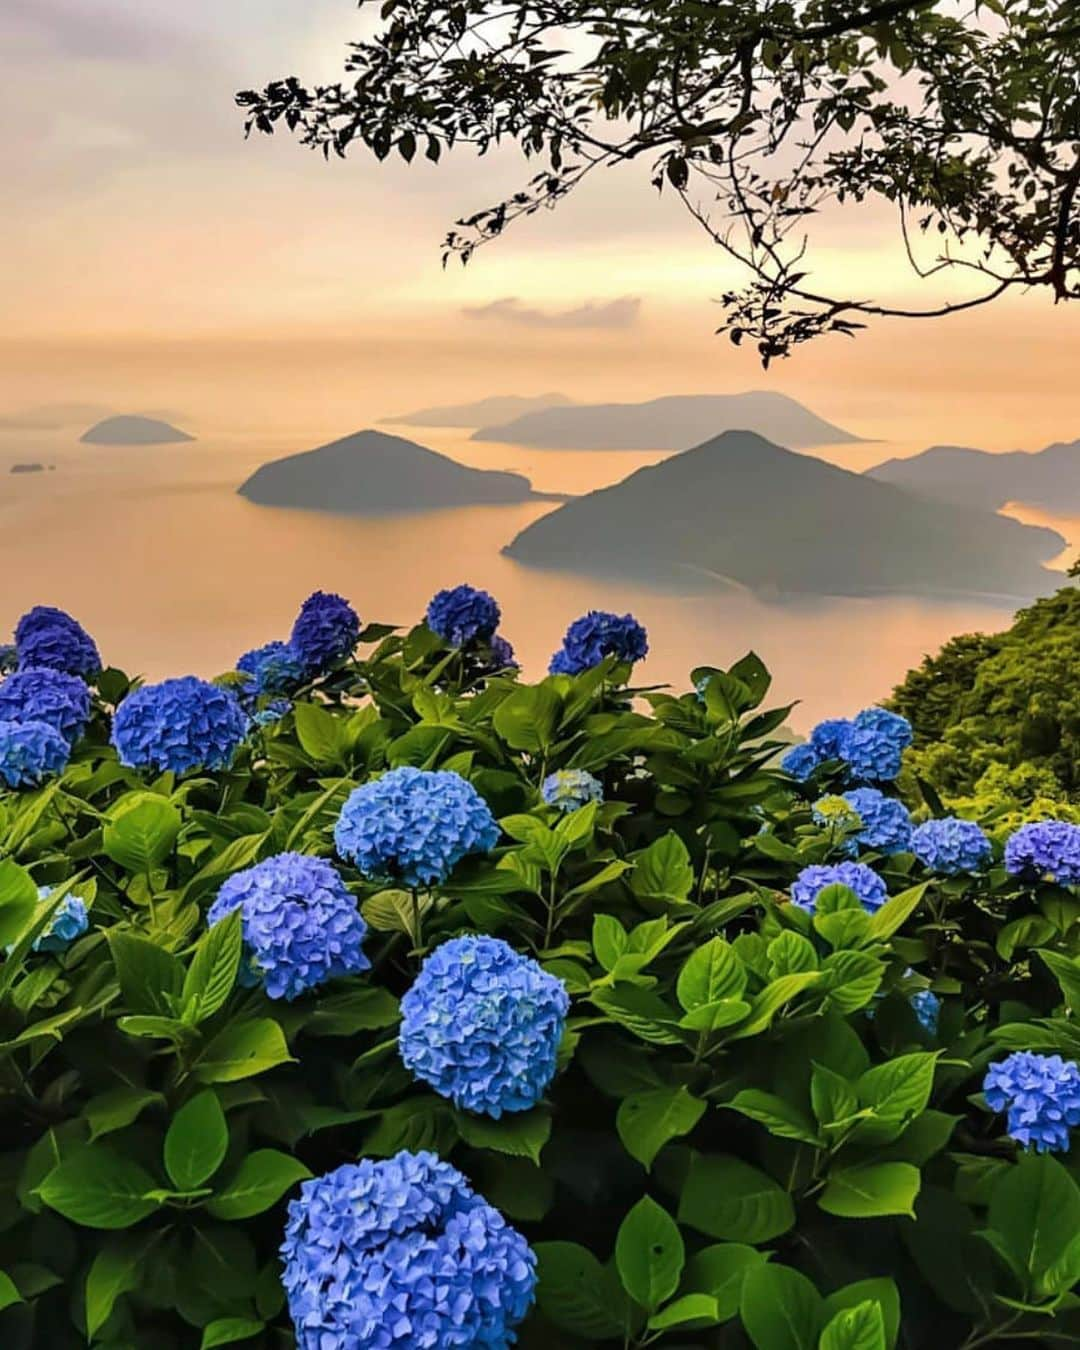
(869, 1190)
(527, 718)
(521, 1134)
(777, 1114)
(211, 976)
(725, 1197)
(262, 1179)
(780, 1309)
(713, 972)
(578, 1294)
(151, 979)
(229, 1330)
(113, 1272)
(646, 1121)
(880, 1290)
(142, 831)
(1035, 1213)
(242, 1050)
(196, 1141)
(858, 1328)
(98, 1188)
(649, 1254)
(719, 1271)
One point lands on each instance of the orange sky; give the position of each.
(152, 259)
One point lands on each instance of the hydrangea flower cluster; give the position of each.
(870, 744)
(570, 789)
(70, 921)
(274, 668)
(927, 1008)
(301, 926)
(45, 695)
(1040, 1093)
(326, 631)
(502, 654)
(857, 877)
(180, 724)
(1045, 849)
(801, 761)
(31, 752)
(596, 635)
(49, 637)
(482, 1025)
(414, 826)
(402, 1253)
(951, 846)
(885, 822)
(273, 712)
(463, 615)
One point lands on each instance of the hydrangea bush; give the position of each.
(429, 1007)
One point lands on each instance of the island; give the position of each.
(484, 412)
(129, 429)
(954, 473)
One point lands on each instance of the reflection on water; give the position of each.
(173, 572)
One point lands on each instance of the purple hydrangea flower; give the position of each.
(402, 1253)
(1040, 1093)
(31, 752)
(595, 636)
(49, 637)
(1045, 849)
(182, 725)
(301, 926)
(463, 615)
(325, 632)
(951, 846)
(274, 668)
(483, 1025)
(45, 695)
(570, 789)
(857, 877)
(414, 826)
(69, 922)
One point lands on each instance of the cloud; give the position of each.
(93, 32)
(622, 313)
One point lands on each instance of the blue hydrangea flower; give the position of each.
(69, 922)
(800, 761)
(597, 635)
(1045, 849)
(927, 1008)
(857, 877)
(951, 846)
(482, 1025)
(31, 752)
(570, 789)
(1041, 1094)
(181, 724)
(886, 825)
(49, 637)
(44, 695)
(325, 632)
(399, 1254)
(414, 826)
(275, 668)
(301, 926)
(273, 712)
(875, 745)
(463, 615)
(830, 739)
(502, 654)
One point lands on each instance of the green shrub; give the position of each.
(752, 1138)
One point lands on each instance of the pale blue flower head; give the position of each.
(886, 824)
(857, 877)
(951, 846)
(1045, 850)
(875, 745)
(275, 668)
(180, 725)
(70, 921)
(1040, 1093)
(570, 789)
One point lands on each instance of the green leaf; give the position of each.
(852, 979)
(262, 1179)
(725, 1197)
(646, 1121)
(858, 1328)
(649, 1254)
(713, 972)
(196, 1141)
(321, 734)
(18, 900)
(527, 718)
(895, 912)
(577, 1294)
(777, 1115)
(150, 977)
(725, 1012)
(366, 1008)
(833, 1098)
(1066, 971)
(719, 1271)
(98, 1188)
(791, 954)
(228, 1330)
(142, 831)
(609, 940)
(882, 1291)
(9, 1291)
(211, 976)
(663, 871)
(116, 1108)
(1035, 1209)
(780, 1309)
(114, 1272)
(241, 1051)
(522, 1134)
(690, 1309)
(772, 998)
(899, 1089)
(868, 1190)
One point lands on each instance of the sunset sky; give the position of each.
(154, 260)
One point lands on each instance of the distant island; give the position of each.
(741, 510)
(480, 414)
(132, 430)
(29, 468)
(674, 423)
(372, 473)
(953, 473)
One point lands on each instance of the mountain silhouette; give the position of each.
(740, 509)
(954, 473)
(667, 423)
(132, 430)
(480, 414)
(372, 473)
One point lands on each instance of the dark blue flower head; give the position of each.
(927, 1008)
(857, 877)
(596, 635)
(31, 752)
(180, 724)
(463, 615)
(800, 761)
(325, 632)
(1045, 849)
(886, 825)
(1041, 1094)
(951, 846)
(830, 739)
(502, 654)
(569, 789)
(44, 695)
(301, 926)
(876, 745)
(69, 922)
(399, 1254)
(483, 1025)
(414, 826)
(274, 669)
(49, 637)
